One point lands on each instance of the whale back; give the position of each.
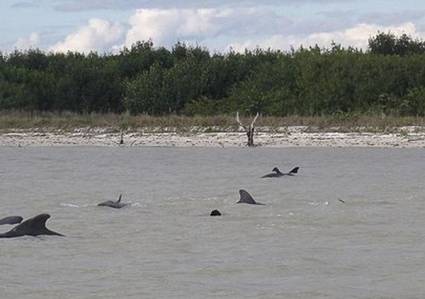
(215, 213)
(113, 204)
(11, 220)
(33, 227)
(107, 203)
(275, 173)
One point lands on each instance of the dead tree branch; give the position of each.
(249, 130)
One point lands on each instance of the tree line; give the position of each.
(387, 78)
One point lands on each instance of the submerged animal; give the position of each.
(245, 197)
(113, 204)
(11, 220)
(31, 227)
(215, 213)
(277, 173)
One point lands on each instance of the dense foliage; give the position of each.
(388, 78)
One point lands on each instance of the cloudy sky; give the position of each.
(220, 25)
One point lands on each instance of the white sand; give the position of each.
(286, 137)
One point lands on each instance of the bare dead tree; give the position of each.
(248, 129)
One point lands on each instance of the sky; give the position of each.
(106, 26)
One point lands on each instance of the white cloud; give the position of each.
(32, 41)
(225, 28)
(356, 36)
(98, 35)
(220, 29)
(166, 26)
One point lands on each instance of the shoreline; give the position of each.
(292, 136)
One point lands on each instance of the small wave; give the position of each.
(317, 204)
(69, 205)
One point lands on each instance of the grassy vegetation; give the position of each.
(10, 121)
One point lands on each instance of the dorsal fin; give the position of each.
(37, 222)
(245, 197)
(11, 220)
(119, 198)
(294, 170)
(276, 170)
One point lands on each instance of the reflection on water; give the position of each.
(305, 243)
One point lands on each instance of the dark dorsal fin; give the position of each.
(35, 223)
(119, 198)
(11, 220)
(276, 170)
(245, 197)
(294, 170)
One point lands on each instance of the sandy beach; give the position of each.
(285, 137)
